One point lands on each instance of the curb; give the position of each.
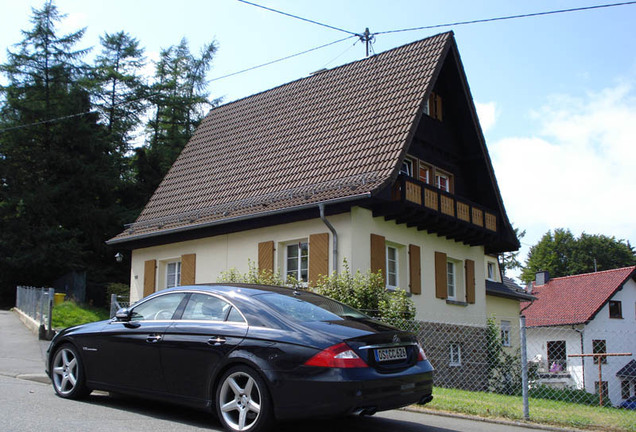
(28, 322)
(39, 378)
(500, 421)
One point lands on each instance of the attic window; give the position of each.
(615, 309)
(407, 167)
(433, 106)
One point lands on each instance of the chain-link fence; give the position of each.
(479, 370)
(36, 303)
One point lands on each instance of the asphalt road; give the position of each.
(31, 406)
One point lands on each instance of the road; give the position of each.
(30, 406)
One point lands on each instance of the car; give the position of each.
(251, 354)
(629, 403)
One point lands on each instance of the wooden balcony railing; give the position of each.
(444, 203)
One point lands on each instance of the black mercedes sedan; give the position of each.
(251, 354)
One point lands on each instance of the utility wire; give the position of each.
(53, 120)
(509, 17)
(281, 59)
(300, 18)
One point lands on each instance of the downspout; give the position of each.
(321, 206)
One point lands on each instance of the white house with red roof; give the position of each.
(590, 313)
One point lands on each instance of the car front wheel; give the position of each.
(242, 401)
(67, 373)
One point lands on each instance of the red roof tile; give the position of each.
(574, 299)
(335, 135)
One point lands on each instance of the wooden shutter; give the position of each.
(318, 257)
(188, 269)
(470, 281)
(266, 257)
(378, 255)
(149, 277)
(441, 275)
(415, 270)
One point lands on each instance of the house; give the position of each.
(585, 314)
(503, 296)
(380, 162)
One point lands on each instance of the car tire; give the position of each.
(243, 402)
(67, 373)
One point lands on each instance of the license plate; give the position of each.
(389, 354)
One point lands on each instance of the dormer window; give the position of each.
(433, 106)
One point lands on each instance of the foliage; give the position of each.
(566, 395)
(69, 313)
(504, 369)
(253, 276)
(510, 260)
(122, 291)
(366, 292)
(562, 254)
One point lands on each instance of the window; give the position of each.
(625, 394)
(425, 173)
(159, 308)
(442, 181)
(206, 307)
(392, 267)
(455, 354)
(407, 167)
(557, 358)
(450, 281)
(173, 274)
(599, 346)
(615, 309)
(433, 106)
(491, 271)
(505, 333)
(604, 389)
(297, 261)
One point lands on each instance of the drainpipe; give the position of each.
(335, 236)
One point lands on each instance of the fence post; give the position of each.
(50, 314)
(524, 367)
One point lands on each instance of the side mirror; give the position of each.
(123, 314)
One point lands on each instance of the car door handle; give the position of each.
(216, 341)
(153, 338)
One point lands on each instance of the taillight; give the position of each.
(421, 355)
(337, 356)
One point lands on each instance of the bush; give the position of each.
(69, 313)
(253, 276)
(122, 291)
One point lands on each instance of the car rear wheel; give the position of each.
(67, 373)
(242, 401)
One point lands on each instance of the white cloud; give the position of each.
(579, 171)
(487, 113)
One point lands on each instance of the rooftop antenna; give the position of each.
(367, 38)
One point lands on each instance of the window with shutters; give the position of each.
(297, 261)
(392, 267)
(451, 291)
(173, 274)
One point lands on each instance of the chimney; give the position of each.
(542, 277)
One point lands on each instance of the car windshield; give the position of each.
(305, 307)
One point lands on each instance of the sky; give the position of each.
(555, 94)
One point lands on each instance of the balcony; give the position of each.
(428, 208)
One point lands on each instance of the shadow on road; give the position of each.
(201, 419)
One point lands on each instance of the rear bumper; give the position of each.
(323, 392)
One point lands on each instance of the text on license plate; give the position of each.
(388, 354)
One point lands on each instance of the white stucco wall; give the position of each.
(220, 253)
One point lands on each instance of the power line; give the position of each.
(509, 17)
(300, 18)
(281, 59)
(53, 120)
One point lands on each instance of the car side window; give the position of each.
(206, 307)
(235, 316)
(158, 308)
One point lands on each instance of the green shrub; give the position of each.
(69, 313)
(253, 276)
(122, 291)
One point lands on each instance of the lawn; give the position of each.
(544, 411)
(69, 313)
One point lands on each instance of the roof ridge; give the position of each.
(448, 33)
(587, 274)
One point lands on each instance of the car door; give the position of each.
(193, 347)
(130, 350)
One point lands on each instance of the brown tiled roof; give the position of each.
(335, 135)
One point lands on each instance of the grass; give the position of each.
(69, 313)
(558, 413)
